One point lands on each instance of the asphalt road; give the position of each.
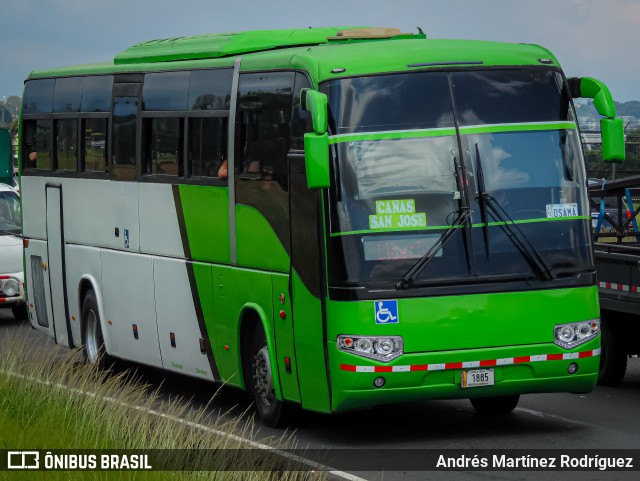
(606, 418)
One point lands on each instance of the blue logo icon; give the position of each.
(126, 238)
(386, 312)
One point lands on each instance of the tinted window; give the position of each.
(210, 89)
(67, 145)
(38, 96)
(125, 110)
(207, 146)
(163, 149)
(96, 94)
(390, 102)
(166, 91)
(265, 101)
(67, 95)
(95, 145)
(493, 97)
(42, 155)
(29, 144)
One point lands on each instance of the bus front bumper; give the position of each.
(517, 370)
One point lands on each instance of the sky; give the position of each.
(597, 38)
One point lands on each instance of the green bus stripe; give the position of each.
(444, 227)
(392, 135)
(193, 284)
(523, 127)
(449, 132)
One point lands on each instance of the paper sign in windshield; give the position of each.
(562, 210)
(397, 214)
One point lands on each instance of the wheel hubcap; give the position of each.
(263, 381)
(93, 349)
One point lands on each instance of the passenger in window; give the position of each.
(223, 171)
(29, 144)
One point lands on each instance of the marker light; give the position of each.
(382, 349)
(576, 333)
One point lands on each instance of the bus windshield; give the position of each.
(411, 152)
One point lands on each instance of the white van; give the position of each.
(11, 267)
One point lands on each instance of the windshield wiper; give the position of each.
(431, 253)
(10, 232)
(483, 201)
(508, 226)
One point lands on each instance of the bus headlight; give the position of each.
(576, 333)
(10, 288)
(380, 348)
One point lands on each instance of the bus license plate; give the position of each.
(477, 377)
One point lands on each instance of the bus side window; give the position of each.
(125, 110)
(29, 146)
(163, 146)
(265, 101)
(37, 108)
(94, 127)
(66, 145)
(207, 145)
(94, 133)
(209, 103)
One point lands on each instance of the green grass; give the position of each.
(56, 402)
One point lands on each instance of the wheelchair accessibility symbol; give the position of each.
(386, 312)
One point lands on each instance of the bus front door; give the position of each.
(56, 265)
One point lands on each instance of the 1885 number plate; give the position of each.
(477, 377)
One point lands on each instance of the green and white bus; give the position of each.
(330, 217)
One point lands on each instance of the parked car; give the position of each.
(11, 265)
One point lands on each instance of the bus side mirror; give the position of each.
(611, 128)
(316, 143)
(612, 140)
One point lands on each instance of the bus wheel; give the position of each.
(613, 358)
(270, 410)
(92, 340)
(495, 405)
(20, 312)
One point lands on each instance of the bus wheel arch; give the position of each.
(259, 372)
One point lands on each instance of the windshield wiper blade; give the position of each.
(431, 253)
(483, 201)
(522, 243)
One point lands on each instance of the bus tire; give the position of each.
(495, 405)
(20, 312)
(273, 412)
(92, 339)
(613, 357)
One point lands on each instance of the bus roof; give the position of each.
(324, 52)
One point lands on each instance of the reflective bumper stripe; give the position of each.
(473, 364)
